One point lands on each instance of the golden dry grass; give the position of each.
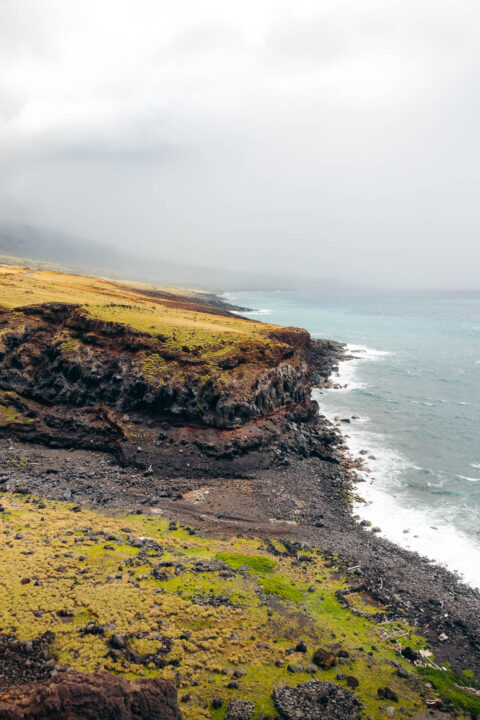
(128, 303)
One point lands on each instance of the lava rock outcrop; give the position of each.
(99, 696)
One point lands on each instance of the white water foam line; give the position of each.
(407, 526)
(261, 311)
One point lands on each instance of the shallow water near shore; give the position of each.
(414, 387)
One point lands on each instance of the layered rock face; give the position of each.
(71, 379)
(96, 696)
(57, 354)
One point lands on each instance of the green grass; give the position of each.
(257, 563)
(449, 684)
(282, 587)
(264, 609)
(262, 566)
(9, 415)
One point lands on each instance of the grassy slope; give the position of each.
(128, 303)
(191, 341)
(71, 571)
(71, 566)
(195, 336)
(222, 638)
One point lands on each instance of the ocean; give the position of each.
(414, 386)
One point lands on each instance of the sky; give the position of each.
(325, 138)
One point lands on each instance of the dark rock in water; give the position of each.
(324, 658)
(240, 710)
(315, 700)
(99, 696)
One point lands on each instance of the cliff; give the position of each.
(141, 364)
(149, 437)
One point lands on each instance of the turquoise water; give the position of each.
(415, 386)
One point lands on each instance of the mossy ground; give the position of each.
(9, 414)
(460, 689)
(247, 616)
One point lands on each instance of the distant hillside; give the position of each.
(49, 248)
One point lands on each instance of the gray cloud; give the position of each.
(333, 139)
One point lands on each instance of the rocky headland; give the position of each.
(176, 512)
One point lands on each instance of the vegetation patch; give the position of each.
(221, 618)
(258, 563)
(10, 415)
(461, 690)
(187, 328)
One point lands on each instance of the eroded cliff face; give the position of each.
(94, 696)
(67, 378)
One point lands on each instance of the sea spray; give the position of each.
(381, 476)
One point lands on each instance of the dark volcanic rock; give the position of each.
(76, 381)
(23, 662)
(324, 658)
(240, 710)
(107, 364)
(100, 696)
(315, 700)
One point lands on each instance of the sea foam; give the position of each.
(382, 502)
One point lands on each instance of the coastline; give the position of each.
(273, 469)
(374, 466)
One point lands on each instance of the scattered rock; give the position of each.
(387, 693)
(25, 662)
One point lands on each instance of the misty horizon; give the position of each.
(335, 142)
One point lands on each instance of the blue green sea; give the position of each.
(415, 386)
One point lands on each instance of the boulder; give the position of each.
(324, 658)
(315, 700)
(240, 709)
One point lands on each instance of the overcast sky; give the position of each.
(337, 138)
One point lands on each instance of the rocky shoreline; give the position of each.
(298, 494)
(230, 445)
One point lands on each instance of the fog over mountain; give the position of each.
(44, 248)
(309, 139)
